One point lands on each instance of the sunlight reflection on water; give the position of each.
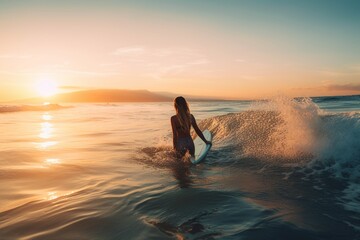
(46, 130)
(52, 161)
(46, 117)
(98, 171)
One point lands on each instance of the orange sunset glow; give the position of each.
(236, 53)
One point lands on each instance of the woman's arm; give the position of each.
(197, 130)
(174, 131)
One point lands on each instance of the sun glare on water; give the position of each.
(46, 87)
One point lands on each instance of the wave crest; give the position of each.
(292, 130)
(277, 129)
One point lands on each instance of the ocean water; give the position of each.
(278, 169)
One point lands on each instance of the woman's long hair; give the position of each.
(183, 113)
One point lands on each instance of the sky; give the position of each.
(232, 49)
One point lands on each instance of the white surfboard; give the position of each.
(201, 149)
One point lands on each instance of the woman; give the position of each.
(181, 124)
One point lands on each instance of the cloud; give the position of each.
(137, 51)
(351, 70)
(351, 87)
(94, 73)
(329, 73)
(13, 56)
(201, 61)
(158, 62)
(71, 87)
(356, 67)
(250, 77)
(169, 71)
(355, 87)
(128, 51)
(159, 71)
(16, 73)
(240, 60)
(8, 73)
(72, 71)
(111, 64)
(133, 60)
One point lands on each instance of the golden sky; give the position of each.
(228, 49)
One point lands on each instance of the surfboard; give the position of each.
(201, 149)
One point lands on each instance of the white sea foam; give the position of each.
(278, 129)
(284, 130)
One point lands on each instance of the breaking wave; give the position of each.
(297, 133)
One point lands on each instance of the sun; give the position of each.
(46, 87)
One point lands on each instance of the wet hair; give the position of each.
(183, 113)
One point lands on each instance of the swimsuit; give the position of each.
(185, 144)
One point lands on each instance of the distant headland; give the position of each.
(110, 95)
